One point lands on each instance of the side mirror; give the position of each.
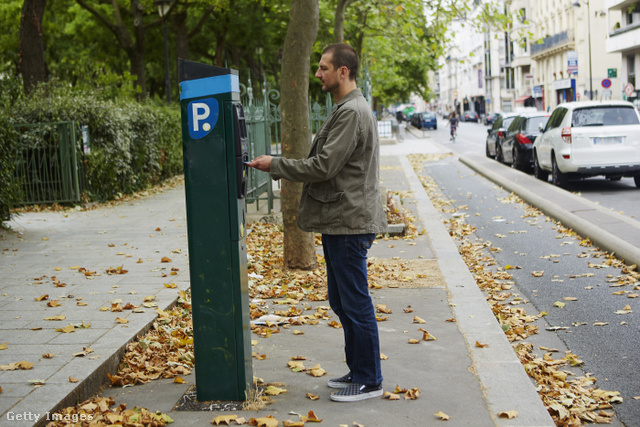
(488, 131)
(541, 127)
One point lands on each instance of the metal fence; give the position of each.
(264, 131)
(47, 163)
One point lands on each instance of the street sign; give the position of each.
(612, 72)
(606, 83)
(628, 89)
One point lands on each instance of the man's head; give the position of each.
(338, 69)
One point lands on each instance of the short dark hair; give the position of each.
(343, 55)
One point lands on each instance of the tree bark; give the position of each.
(32, 66)
(299, 246)
(338, 22)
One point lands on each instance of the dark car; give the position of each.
(424, 121)
(470, 116)
(517, 146)
(496, 132)
(490, 118)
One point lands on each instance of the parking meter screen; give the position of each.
(202, 117)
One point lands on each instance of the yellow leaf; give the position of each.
(47, 356)
(269, 421)
(312, 396)
(316, 371)
(426, 336)
(67, 329)
(390, 396)
(274, 391)
(413, 341)
(297, 332)
(559, 304)
(479, 344)
(3, 346)
(165, 259)
(170, 285)
(60, 317)
(180, 380)
(312, 417)
(383, 356)
(441, 415)
(42, 297)
(417, 319)
(121, 320)
(537, 273)
(508, 414)
(570, 299)
(412, 394)
(73, 380)
(289, 423)
(226, 419)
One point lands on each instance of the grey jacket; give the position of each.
(341, 192)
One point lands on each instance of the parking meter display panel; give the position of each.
(216, 230)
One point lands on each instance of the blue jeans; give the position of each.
(348, 289)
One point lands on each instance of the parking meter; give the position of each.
(215, 150)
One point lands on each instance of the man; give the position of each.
(341, 200)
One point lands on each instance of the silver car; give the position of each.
(496, 133)
(583, 139)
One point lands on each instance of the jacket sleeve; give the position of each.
(332, 152)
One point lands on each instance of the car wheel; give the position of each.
(499, 156)
(515, 159)
(537, 171)
(557, 177)
(486, 151)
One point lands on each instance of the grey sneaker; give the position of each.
(341, 382)
(355, 392)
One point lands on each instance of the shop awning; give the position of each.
(522, 99)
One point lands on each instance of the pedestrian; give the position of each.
(341, 200)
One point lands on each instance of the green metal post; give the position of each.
(214, 144)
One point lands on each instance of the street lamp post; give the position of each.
(163, 8)
(576, 4)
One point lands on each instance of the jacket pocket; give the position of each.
(328, 209)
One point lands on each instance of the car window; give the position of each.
(531, 126)
(556, 118)
(507, 122)
(604, 116)
(429, 116)
(515, 124)
(497, 124)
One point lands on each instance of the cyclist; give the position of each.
(453, 122)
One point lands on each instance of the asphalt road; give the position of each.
(622, 196)
(530, 242)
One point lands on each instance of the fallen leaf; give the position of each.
(180, 380)
(268, 421)
(426, 336)
(312, 396)
(508, 414)
(316, 371)
(413, 341)
(47, 356)
(390, 396)
(226, 419)
(73, 380)
(60, 317)
(479, 344)
(122, 320)
(165, 259)
(42, 297)
(417, 319)
(312, 417)
(441, 415)
(559, 304)
(289, 423)
(3, 346)
(274, 391)
(412, 394)
(67, 329)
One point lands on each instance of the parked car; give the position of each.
(424, 120)
(490, 118)
(496, 132)
(589, 138)
(470, 116)
(516, 147)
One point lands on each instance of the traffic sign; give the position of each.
(628, 89)
(606, 83)
(612, 72)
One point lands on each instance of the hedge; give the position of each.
(133, 145)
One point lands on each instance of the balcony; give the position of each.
(551, 44)
(624, 39)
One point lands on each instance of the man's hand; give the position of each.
(262, 163)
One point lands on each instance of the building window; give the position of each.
(631, 69)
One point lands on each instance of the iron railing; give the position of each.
(47, 163)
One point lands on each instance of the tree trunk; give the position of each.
(299, 246)
(338, 22)
(32, 66)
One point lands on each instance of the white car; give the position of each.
(589, 138)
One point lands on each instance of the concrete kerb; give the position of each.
(605, 240)
(505, 382)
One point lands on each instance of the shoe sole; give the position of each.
(357, 397)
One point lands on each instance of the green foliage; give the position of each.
(9, 188)
(133, 145)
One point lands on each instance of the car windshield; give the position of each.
(533, 123)
(429, 116)
(604, 116)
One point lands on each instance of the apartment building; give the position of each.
(623, 39)
(568, 52)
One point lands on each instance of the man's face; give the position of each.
(327, 74)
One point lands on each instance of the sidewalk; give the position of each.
(470, 384)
